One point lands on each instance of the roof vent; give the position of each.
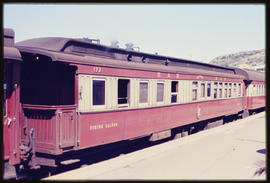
(92, 40)
(167, 62)
(129, 46)
(114, 44)
(129, 57)
(143, 59)
(137, 47)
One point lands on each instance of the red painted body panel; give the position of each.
(11, 128)
(130, 124)
(255, 102)
(47, 124)
(119, 72)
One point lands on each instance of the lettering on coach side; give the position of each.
(97, 69)
(101, 126)
(111, 125)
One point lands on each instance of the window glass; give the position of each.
(239, 89)
(215, 92)
(225, 90)
(160, 92)
(194, 90)
(174, 90)
(234, 90)
(143, 92)
(230, 90)
(215, 89)
(220, 93)
(123, 91)
(208, 89)
(202, 89)
(220, 90)
(98, 92)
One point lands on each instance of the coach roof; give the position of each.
(60, 44)
(251, 75)
(108, 62)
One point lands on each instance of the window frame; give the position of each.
(174, 93)
(164, 89)
(220, 88)
(226, 91)
(148, 93)
(203, 90)
(230, 90)
(234, 87)
(124, 105)
(209, 83)
(239, 90)
(194, 87)
(215, 90)
(91, 90)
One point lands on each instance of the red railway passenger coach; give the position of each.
(255, 90)
(11, 102)
(75, 94)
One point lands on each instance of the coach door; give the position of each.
(11, 109)
(68, 128)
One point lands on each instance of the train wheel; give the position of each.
(245, 114)
(178, 135)
(184, 133)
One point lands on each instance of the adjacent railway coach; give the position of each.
(75, 94)
(11, 102)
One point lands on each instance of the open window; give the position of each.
(123, 92)
(174, 91)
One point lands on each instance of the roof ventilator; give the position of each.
(137, 47)
(129, 57)
(92, 40)
(143, 59)
(167, 62)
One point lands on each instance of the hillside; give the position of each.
(253, 60)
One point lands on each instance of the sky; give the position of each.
(197, 32)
